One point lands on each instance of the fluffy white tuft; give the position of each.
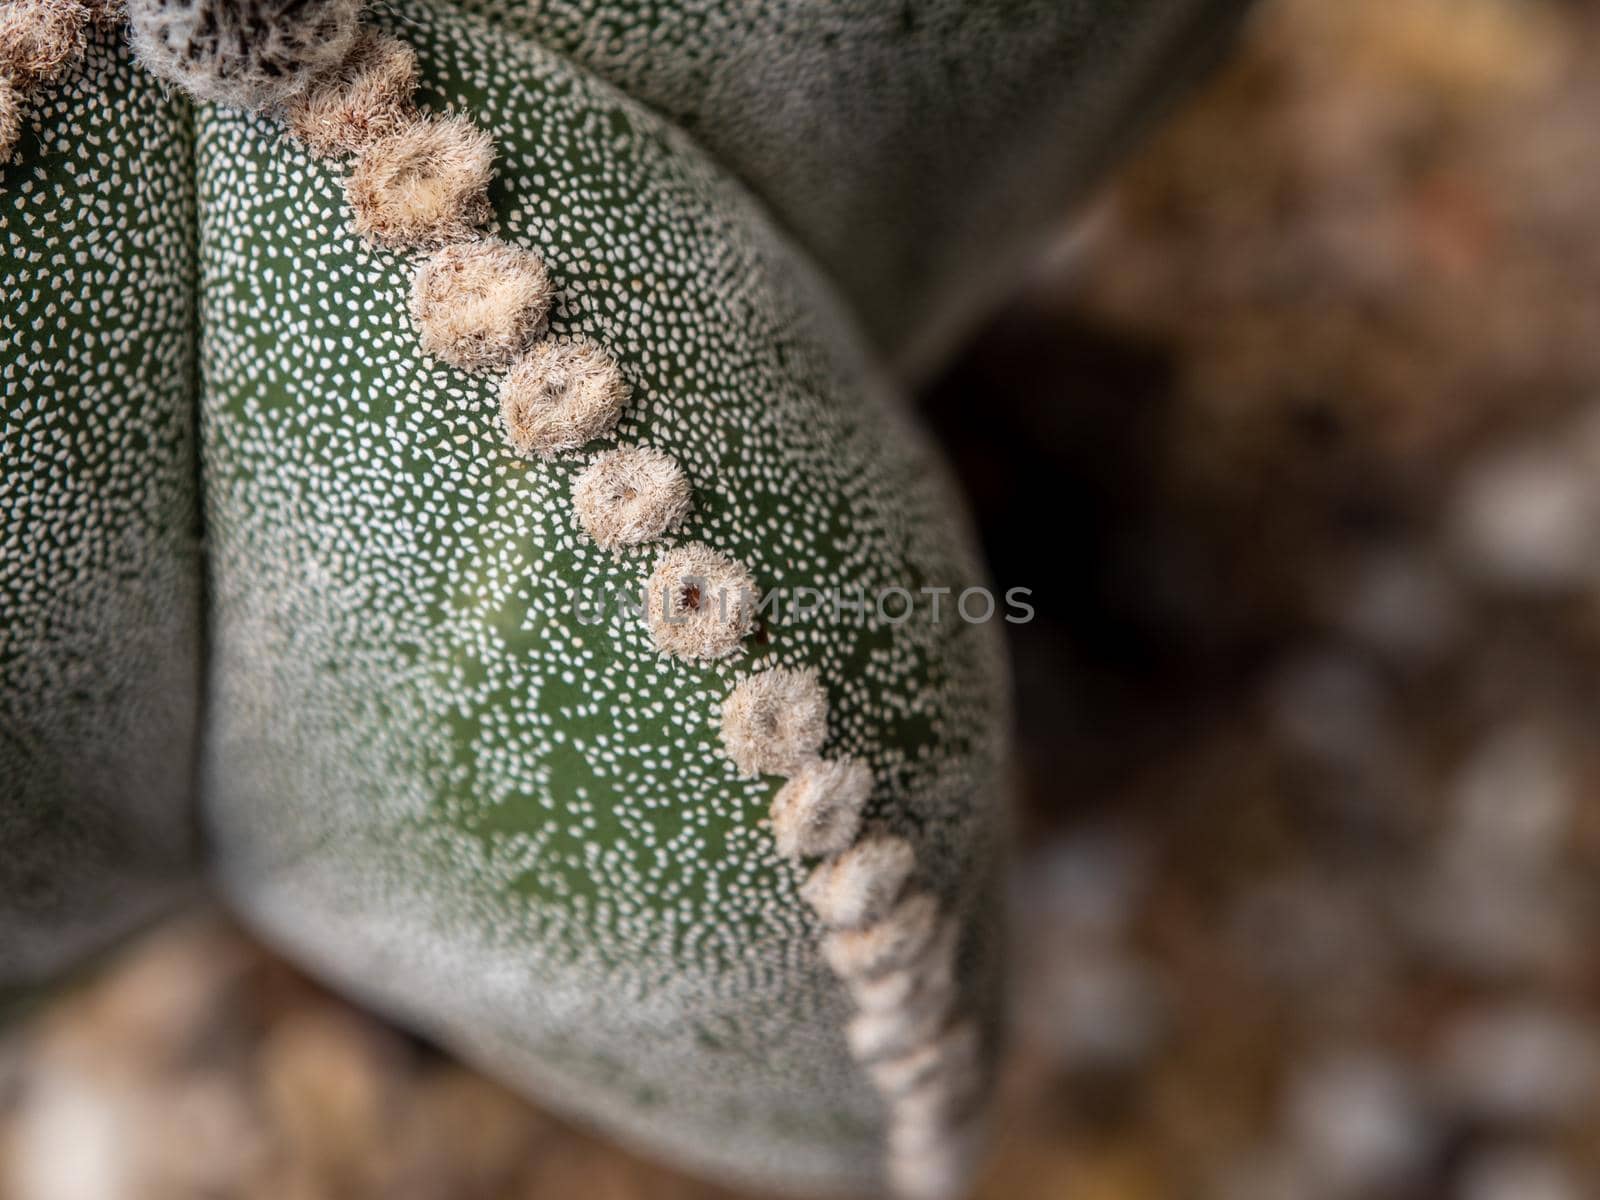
(862, 883)
(775, 721)
(895, 941)
(699, 603)
(559, 396)
(818, 812)
(10, 117)
(38, 38)
(368, 96)
(630, 496)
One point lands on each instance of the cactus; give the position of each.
(453, 346)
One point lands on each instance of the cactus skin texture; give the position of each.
(100, 570)
(923, 151)
(425, 771)
(425, 775)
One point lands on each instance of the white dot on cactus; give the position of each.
(559, 396)
(885, 945)
(477, 305)
(630, 496)
(249, 54)
(818, 812)
(38, 38)
(699, 603)
(423, 185)
(860, 885)
(774, 721)
(370, 95)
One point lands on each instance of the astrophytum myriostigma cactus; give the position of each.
(416, 453)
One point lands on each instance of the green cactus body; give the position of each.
(921, 151)
(426, 771)
(442, 761)
(99, 553)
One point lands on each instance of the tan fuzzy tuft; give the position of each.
(38, 38)
(423, 185)
(369, 96)
(559, 396)
(818, 812)
(251, 54)
(887, 945)
(630, 496)
(877, 1034)
(862, 883)
(10, 118)
(775, 721)
(928, 980)
(951, 1060)
(699, 604)
(477, 305)
(935, 1161)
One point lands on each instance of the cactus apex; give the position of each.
(477, 305)
(250, 54)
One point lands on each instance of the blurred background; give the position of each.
(1296, 440)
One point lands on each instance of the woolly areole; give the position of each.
(630, 496)
(774, 721)
(369, 96)
(38, 38)
(424, 185)
(477, 304)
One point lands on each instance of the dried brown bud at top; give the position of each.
(699, 604)
(774, 721)
(478, 304)
(895, 941)
(423, 185)
(10, 117)
(245, 53)
(818, 811)
(368, 96)
(862, 883)
(560, 395)
(630, 496)
(38, 38)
